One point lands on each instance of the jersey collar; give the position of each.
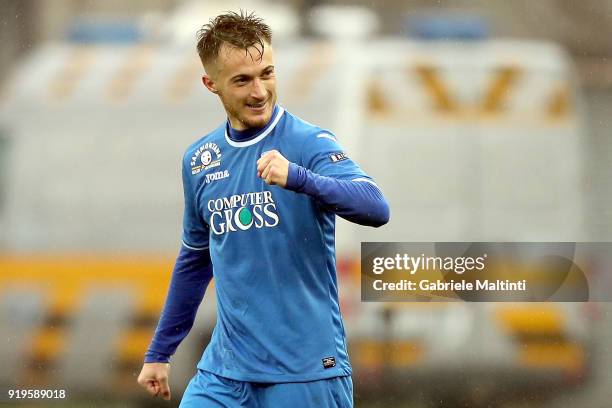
(262, 133)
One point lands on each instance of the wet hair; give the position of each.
(243, 31)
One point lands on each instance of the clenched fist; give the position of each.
(273, 168)
(154, 378)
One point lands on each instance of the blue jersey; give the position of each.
(272, 251)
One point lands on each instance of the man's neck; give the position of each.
(240, 135)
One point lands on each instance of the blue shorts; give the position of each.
(209, 390)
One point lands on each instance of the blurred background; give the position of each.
(480, 120)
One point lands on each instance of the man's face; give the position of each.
(246, 85)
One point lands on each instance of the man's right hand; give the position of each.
(154, 378)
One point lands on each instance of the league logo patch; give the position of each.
(337, 157)
(206, 157)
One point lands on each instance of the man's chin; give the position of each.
(257, 121)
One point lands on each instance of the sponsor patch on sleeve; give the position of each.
(338, 157)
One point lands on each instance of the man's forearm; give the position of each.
(359, 201)
(190, 277)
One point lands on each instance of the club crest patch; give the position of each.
(206, 157)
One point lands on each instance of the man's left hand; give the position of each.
(273, 168)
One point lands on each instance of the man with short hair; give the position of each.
(261, 195)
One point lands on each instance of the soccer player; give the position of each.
(261, 195)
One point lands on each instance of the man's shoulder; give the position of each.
(304, 130)
(210, 138)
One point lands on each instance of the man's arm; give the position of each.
(358, 200)
(191, 275)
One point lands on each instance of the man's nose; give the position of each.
(258, 90)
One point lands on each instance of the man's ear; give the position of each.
(209, 83)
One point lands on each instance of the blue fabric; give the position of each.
(190, 277)
(209, 390)
(195, 229)
(356, 201)
(278, 314)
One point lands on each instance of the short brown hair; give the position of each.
(242, 31)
